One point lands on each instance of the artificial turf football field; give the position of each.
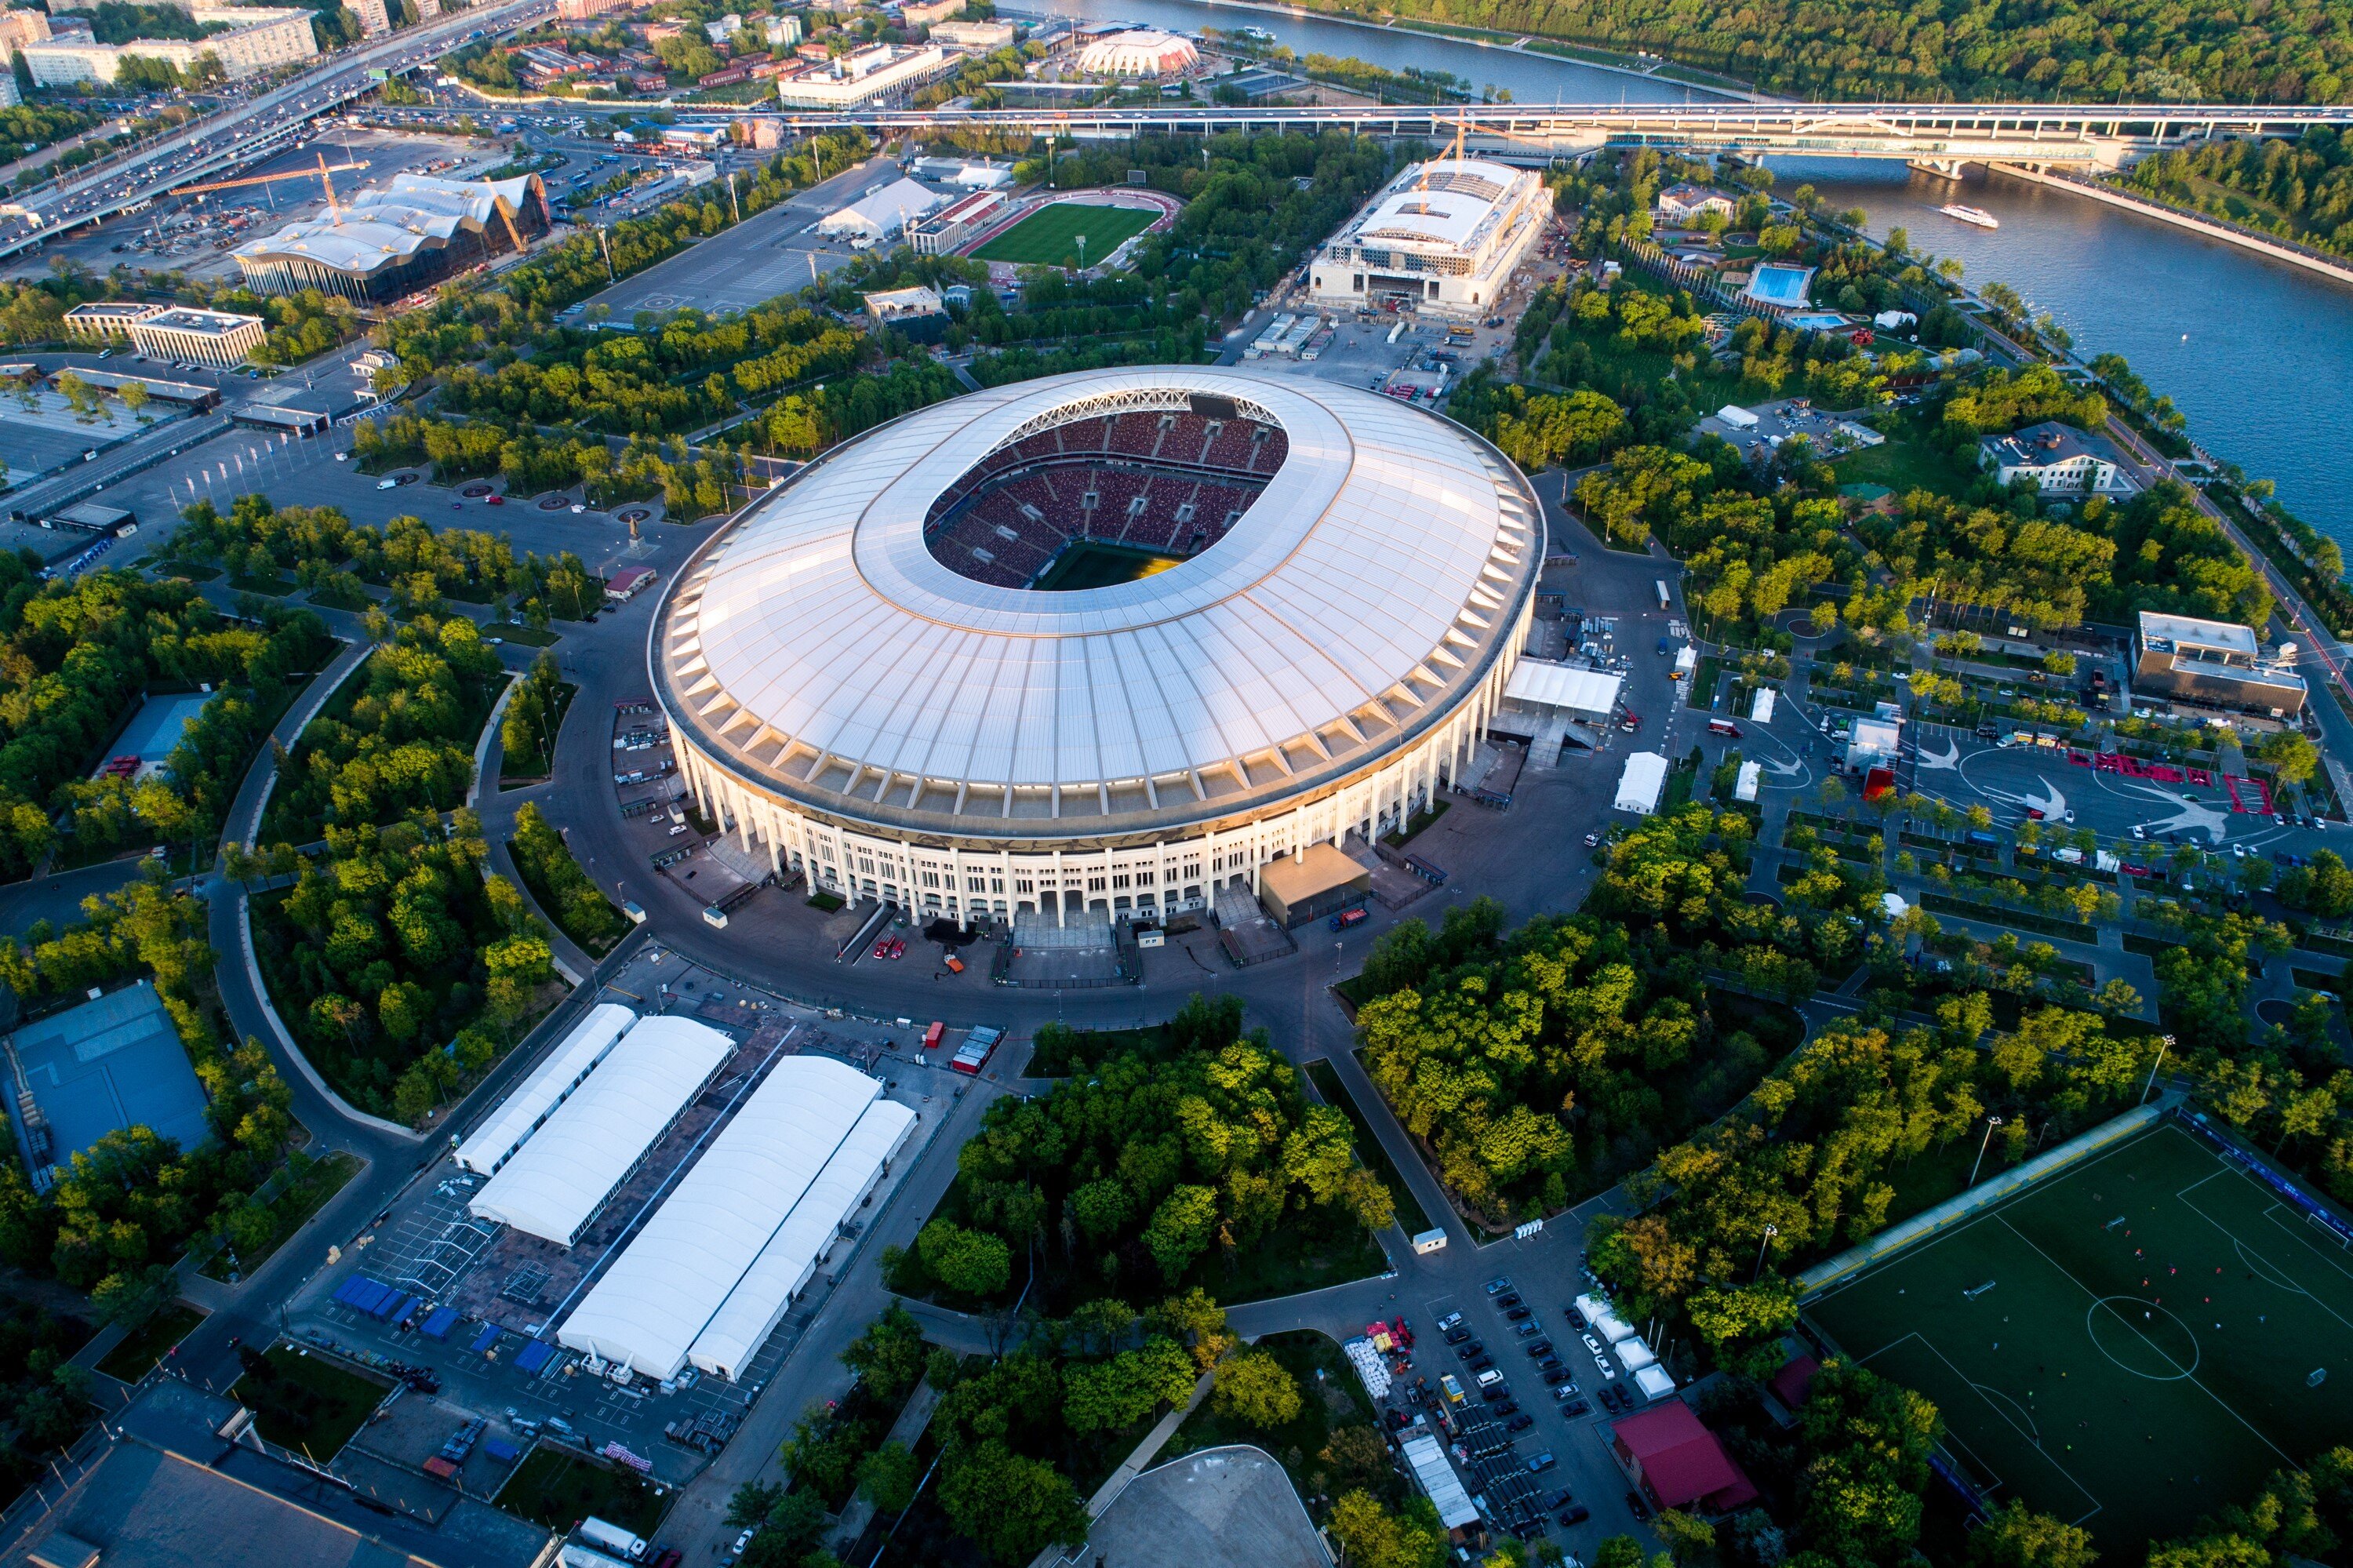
(1048, 237)
(2125, 1376)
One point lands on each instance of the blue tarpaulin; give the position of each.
(500, 1449)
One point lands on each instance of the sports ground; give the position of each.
(2127, 1345)
(1090, 564)
(1048, 237)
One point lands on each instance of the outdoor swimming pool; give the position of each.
(1778, 283)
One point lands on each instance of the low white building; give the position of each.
(1444, 236)
(218, 338)
(1681, 203)
(877, 74)
(257, 38)
(981, 36)
(2059, 459)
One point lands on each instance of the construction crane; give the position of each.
(322, 174)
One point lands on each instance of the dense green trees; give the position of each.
(74, 659)
(2300, 190)
(399, 967)
(564, 891)
(398, 738)
(1145, 1175)
(44, 1399)
(28, 127)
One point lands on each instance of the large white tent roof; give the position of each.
(515, 1117)
(881, 212)
(754, 1307)
(662, 1292)
(1379, 575)
(1561, 687)
(561, 1176)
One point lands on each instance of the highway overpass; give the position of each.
(234, 137)
(1939, 135)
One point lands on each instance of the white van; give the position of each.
(714, 917)
(636, 915)
(1489, 1378)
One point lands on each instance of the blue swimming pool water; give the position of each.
(1776, 284)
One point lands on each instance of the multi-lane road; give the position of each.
(255, 124)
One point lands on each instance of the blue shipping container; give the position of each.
(438, 1325)
(485, 1339)
(500, 1449)
(533, 1356)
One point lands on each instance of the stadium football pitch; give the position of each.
(1091, 564)
(1048, 237)
(2128, 1345)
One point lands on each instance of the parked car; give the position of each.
(1468, 1349)
(1638, 1505)
(1576, 1515)
(1519, 1423)
(1540, 1349)
(1561, 1498)
(1508, 1298)
(1539, 1463)
(1518, 1315)
(1556, 1374)
(1480, 1363)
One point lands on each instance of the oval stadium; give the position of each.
(1099, 644)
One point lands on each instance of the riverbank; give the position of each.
(2327, 266)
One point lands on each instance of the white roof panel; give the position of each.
(822, 614)
(664, 1290)
(561, 1176)
(1559, 686)
(757, 1304)
(516, 1116)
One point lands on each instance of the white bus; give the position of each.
(1664, 602)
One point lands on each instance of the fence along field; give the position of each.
(2127, 1345)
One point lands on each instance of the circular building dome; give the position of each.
(1119, 636)
(1142, 52)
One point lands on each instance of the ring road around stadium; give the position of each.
(1096, 644)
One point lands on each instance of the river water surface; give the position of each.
(2258, 353)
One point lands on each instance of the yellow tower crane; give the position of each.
(321, 173)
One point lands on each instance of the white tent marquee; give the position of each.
(519, 1116)
(561, 1176)
(661, 1294)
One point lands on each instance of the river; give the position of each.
(2258, 353)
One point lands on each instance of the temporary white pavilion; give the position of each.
(518, 1116)
(712, 1270)
(562, 1173)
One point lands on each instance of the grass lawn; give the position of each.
(1375, 1159)
(534, 766)
(193, 574)
(131, 1360)
(1048, 237)
(2123, 1370)
(1905, 462)
(278, 584)
(2023, 919)
(303, 1197)
(825, 902)
(307, 1403)
(558, 1489)
(516, 631)
(1330, 1397)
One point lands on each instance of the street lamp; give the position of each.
(1992, 1122)
(2164, 1043)
(1082, 250)
(1762, 1243)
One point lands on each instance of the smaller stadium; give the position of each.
(1047, 234)
(2124, 1345)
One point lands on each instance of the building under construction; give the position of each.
(385, 243)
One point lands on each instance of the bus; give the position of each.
(1723, 726)
(1664, 602)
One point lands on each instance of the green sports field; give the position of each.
(2127, 1346)
(1048, 237)
(1091, 564)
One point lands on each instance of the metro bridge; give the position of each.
(1940, 136)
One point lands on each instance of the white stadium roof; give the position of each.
(519, 1115)
(785, 1265)
(1444, 204)
(659, 1296)
(1377, 577)
(561, 1176)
